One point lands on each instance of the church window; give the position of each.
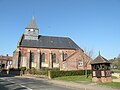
(54, 58)
(43, 57)
(64, 56)
(32, 57)
(19, 59)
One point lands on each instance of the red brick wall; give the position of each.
(70, 62)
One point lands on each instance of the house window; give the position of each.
(80, 63)
(54, 58)
(43, 57)
(32, 57)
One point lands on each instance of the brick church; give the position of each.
(38, 51)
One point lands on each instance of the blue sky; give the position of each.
(92, 24)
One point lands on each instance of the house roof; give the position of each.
(49, 42)
(99, 59)
(32, 24)
(5, 57)
(115, 60)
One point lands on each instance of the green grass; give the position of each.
(74, 78)
(113, 77)
(111, 84)
(83, 80)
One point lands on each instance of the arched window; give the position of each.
(54, 58)
(64, 56)
(43, 57)
(19, 60)
(32, 57)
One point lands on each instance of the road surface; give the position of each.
(18, 83)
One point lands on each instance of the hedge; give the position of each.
(54, 74)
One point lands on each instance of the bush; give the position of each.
(32, 71)
(41, 72)
(23, 68)
(54, 69)
(46, 68)
(89, 71)
(56, 73)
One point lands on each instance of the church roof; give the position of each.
(32, 24)
(99, 59)
(50, 42)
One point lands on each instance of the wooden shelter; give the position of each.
(101, 70)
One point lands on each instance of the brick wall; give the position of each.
(70, 62)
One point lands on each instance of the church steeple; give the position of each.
(31, 31)
(32, 24)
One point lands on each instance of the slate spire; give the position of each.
(32, 24)
(31, 31)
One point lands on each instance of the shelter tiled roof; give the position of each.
(99, 59)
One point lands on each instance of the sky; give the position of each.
(92, 24)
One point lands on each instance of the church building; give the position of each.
(38, 51)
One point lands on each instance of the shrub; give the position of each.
(27, 71)
(32, 70)
(56, 73)
(44, 68)
(89, 71)
(54, 69)
(41, 72)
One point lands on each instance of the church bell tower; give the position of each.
(31, 31)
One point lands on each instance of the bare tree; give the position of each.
(86, 60)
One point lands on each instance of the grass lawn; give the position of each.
(77, 78)
(111, 84)
(83, 80)
(74, 78)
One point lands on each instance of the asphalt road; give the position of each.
(17, 83)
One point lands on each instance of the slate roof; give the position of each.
(99, 59)
(32, 24)
(50, 42)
